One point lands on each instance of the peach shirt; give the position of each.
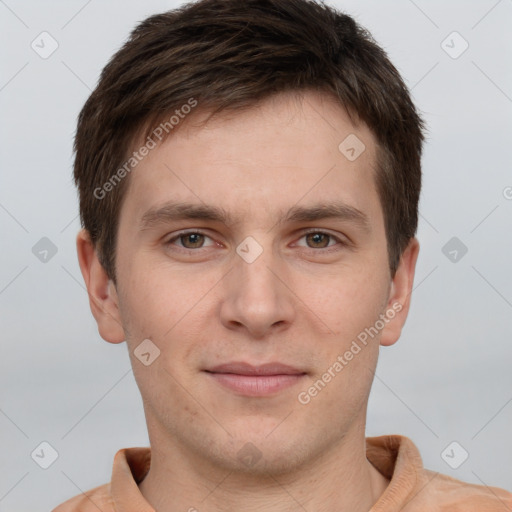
(411, 489)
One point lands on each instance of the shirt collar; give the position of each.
(396, 457)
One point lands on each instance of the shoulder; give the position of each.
(450, 494)
(412, 488)
(130, 466)
(96, 499)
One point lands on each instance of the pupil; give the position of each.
(192, 238)
(318, 238)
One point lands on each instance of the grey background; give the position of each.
(448, 378)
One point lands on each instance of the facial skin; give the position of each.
(301, 303)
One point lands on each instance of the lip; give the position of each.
(261, 380)
(242, 368)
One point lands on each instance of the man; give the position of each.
(249, 175)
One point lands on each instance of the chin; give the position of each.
(262, 461)
(253, 453)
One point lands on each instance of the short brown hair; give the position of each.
(229, 54)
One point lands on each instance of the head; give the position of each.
(278, 120)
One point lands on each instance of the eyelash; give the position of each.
(327, 249)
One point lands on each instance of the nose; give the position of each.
(257, 297)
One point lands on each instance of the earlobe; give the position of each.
(399, 301)
(102, 293)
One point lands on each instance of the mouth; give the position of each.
(250, 380)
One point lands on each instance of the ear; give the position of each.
(399, 300)
(102, 292)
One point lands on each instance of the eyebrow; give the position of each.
(173, 211)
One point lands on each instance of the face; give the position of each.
(252, 254)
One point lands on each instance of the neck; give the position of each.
(341, 479)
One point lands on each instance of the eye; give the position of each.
(189, 240)
(321, 240)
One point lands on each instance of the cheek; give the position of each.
(164, 305)
(347, 301)
(149, 291)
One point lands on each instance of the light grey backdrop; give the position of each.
(448, 379)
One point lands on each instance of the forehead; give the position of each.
(256, 162)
